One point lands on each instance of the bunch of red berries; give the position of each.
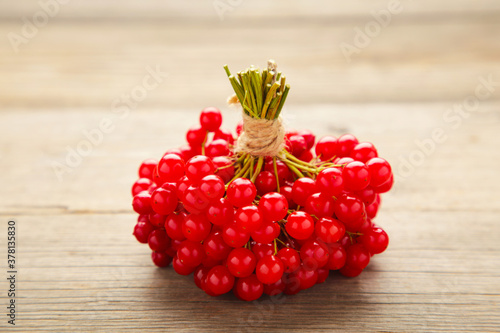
(261, 224)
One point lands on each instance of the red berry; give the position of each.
(210, 119)
(220, 212)
(142, 230)
(262, 249)
(350, 271)
(364, 151)
(241, 192)
(274, 206)
(275, 288)
(299, 225)
(191, 253)
(181, 268)
(141, 184)
(225, 135)
(215, 246)
(357, 256)
(330, 181)
(367, 195)
(266, 232)
(224, 168)
(265, 182)
(375, 240)
(173, 226)
(248, 218)
(283, 171)
(322, 275)
(199, 167)
(239, 128)
(320, 205)
(196, 227)
(219, 280)
(158, 240)
(287, 193)
(309, 137)
(194, 200)
(329, 230)
(163, 201)
(356, 176)
(290, 259)
(200, 274)
(248, 288)
(302, 189)
(327, 147)
(241, 262)
(218, 147)
(142, 203)
(234, 236)
(380, 171)
(385, 187)
(298, 144)
(212, 187)
(182, 185)
(170, 168)
(157, 220)
(346, 143)
(305, 278)
(349, 209)
(314, 255)
(371, 210)
(147, 167)
(337, 257)
(269, 269)
(161, 259)
(196, 135)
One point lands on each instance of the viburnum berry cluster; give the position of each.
(265, 210)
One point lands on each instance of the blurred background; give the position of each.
(388, 71)
(89, 89)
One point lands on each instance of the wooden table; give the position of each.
(80, 269)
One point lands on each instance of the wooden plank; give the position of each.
(90, 274)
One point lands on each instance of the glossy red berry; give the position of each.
(219, 280)
(302, 188)
(212, 187)
(269, 269)
(147, 167)
(375, 240)
(356, 176)
(170, 168)
(195, 201)
(349, 271)
(363, 152)
(284, 172)
(163, 201)
(262, 249)
(196, 227)
(224, 168)
(274, 206)
(249, 288)
(297, 144)
(241, 262)
(346, 143)
(141, 184)
(327, 148)
(173, 226)
(142, 230)
(275, 288)
(220, 212)
(161, 259)
(357, 256)
(380, 171)
(241, 192)
(158, 240)
(142, 203)
(299, 225)
(290, 258)
(314, 255)
(234, 236)
(195, 136)
(199, 167)
(349, 209)
(266, 233)
(218, 147)
(215, 246)
(248, 218)
(191, 253)
(320, 205)
(330, 181)
(337, 257)
(329, 230)
(305, 278)
(210, 119)
(309, 137)
(322, 274)
(224, 135)
(265, 182)
(385, 187)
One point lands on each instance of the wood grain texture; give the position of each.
(80, 269)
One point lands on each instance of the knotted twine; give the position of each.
(260, 137)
